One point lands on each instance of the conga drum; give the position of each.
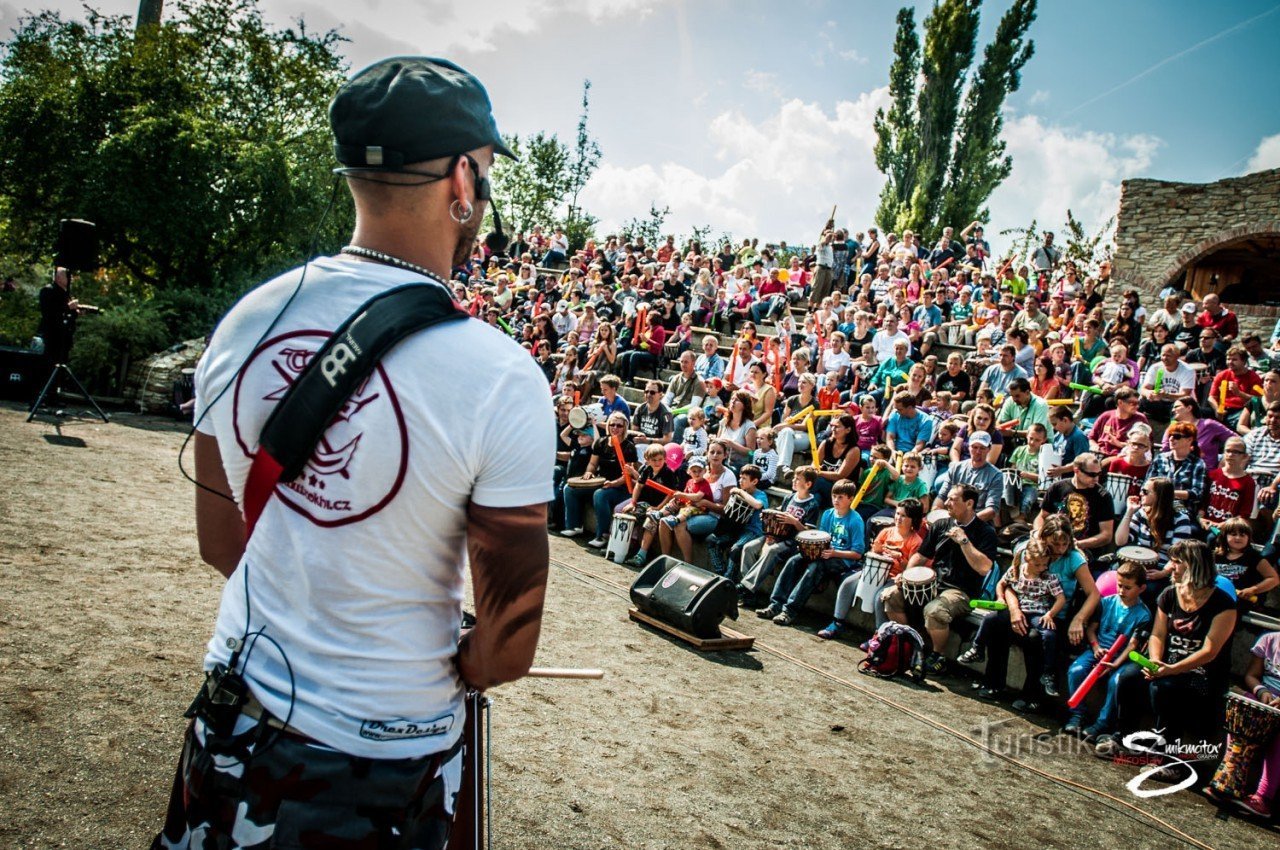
(875, 575)
(1012, 486)
(621, 533)
(777, 524)
(1119, 486)
(813, 542)
(919, 585)
(736, 509)
(1252, 726)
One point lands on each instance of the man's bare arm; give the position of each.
(219, 524)
(509, 551)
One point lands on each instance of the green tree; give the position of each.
(200, 148)
(650, 227)
(979, 163)
(585, 159)
(941, 164)
(895, 149)
(532, 189)
(950, 37)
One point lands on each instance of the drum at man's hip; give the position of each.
(1252, 726)
(1119, 486)
(919, 585)
(736, 510)
(586, 482)
(813, 543)
(1140, 555)
(777, 524)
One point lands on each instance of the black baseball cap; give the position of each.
(409, 109)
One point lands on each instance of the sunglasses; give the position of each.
(1090, 473)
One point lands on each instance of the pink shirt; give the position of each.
(869, 431)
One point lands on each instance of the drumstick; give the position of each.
(871, 476)
(989, 605)
(1144, 662)
(565, 673)
(626, 470)
(1059, 402)
(667, 491)
(1097, 672)
(1084, 388)
(1005, 426)
(777, 366)
(1222, 398)
(813, 440)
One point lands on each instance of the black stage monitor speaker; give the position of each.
(687, 597)
(21, 373)
(77, 247)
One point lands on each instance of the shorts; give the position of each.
(938, 612)
(282, 790)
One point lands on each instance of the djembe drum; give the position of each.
(777, 524)
(1252, 726)
(813, 543)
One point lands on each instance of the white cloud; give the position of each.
(763, 82)
(1056, 168)
(1038, 98)
(780, 176)
(852, 56)
(779, 180)
(1266, 156)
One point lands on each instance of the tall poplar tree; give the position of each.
(941, 162)
(979, 163)
(895, 133)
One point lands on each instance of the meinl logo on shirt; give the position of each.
(360, 461)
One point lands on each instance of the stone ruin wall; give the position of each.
(1163, 226)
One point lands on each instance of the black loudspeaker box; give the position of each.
(77, 247)
(687, 597)
(21, 373)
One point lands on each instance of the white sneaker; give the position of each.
(598, 543)
(571, 532)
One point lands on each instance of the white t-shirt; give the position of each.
(883, 343)
(356, 568)
(1174, 382)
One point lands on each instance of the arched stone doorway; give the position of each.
(1242, 269)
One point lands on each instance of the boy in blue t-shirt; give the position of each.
(800, 576)
(764, 552)
(724, 548)
(1122, 614)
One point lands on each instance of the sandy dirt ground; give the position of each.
(105, 609)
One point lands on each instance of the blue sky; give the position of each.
(755, 117)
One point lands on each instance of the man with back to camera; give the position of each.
(350, 735)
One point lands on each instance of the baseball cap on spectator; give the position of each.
(980, 438)
(410, 109)
(1189, 307)
(698, 462)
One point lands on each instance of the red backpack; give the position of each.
(894, 649)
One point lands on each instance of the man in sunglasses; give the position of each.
(1085, 503)
(336, 706)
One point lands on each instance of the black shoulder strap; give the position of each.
(297, 423)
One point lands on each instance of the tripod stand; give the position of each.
(59, 368)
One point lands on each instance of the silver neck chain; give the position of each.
(389, 260)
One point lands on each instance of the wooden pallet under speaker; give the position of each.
(728, 640)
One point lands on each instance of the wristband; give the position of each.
(1260, 688)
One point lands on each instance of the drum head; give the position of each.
(578, 417)
(935, 517)
(813, 535)
(583, 482)
(1137, 554)
(918, 575)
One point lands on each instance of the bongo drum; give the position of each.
(1140, 555)
(737, 510)
(586, 482)
(1120, 486)
(875, 574)
(776, 524)
(1252, 726)
(1012, 487)
(813, 543)
(919, 585)
(621, 533)
(578, 418)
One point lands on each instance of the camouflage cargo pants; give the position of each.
(279, 790)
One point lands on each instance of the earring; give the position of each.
(461, 211)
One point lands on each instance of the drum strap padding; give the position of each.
(333, 374)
